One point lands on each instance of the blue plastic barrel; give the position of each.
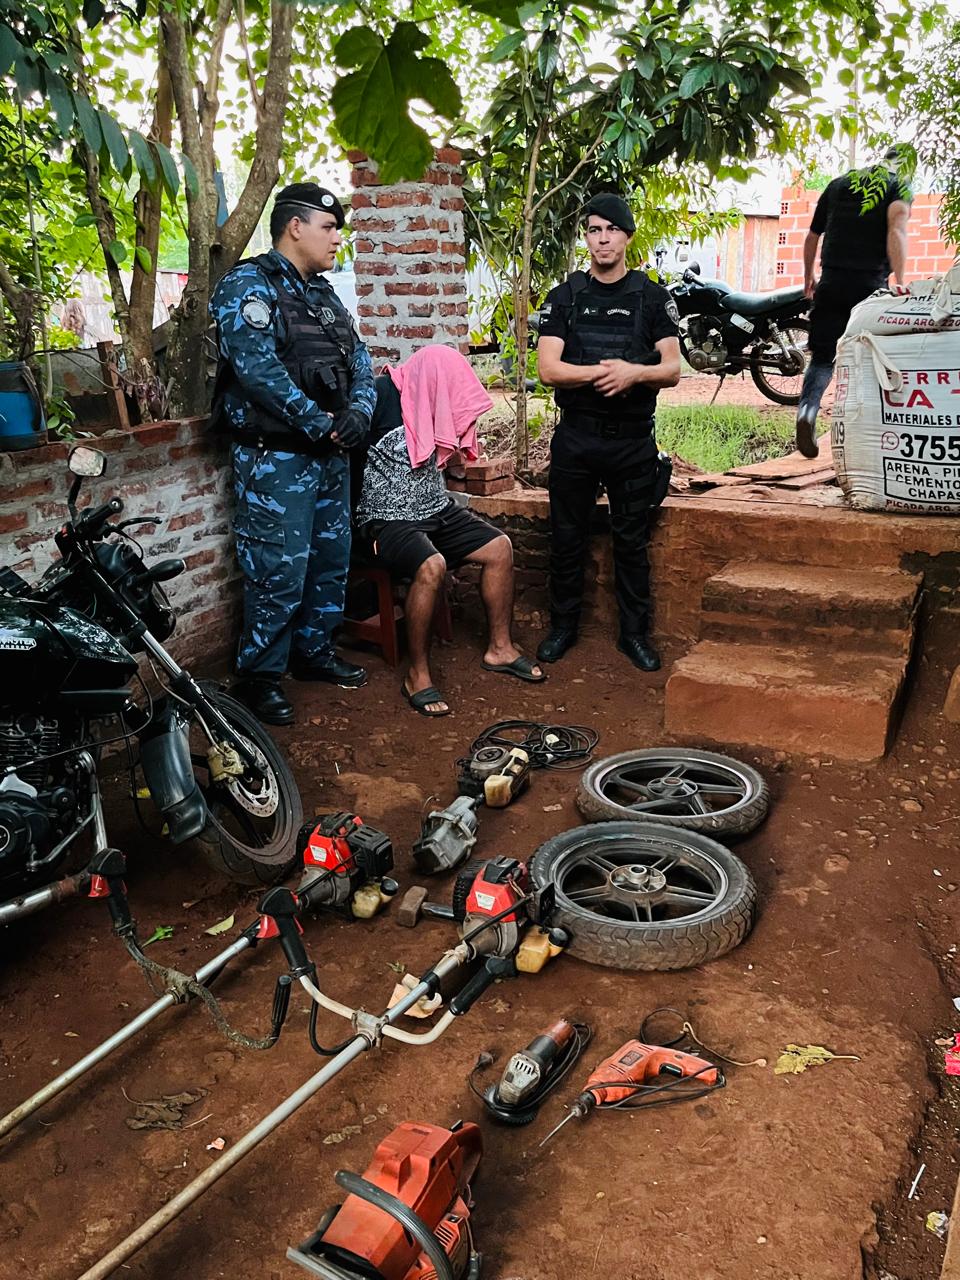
(21, 412)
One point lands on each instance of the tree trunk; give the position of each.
(22, 309)
(214, 250)
(147, 207)
(521, 298)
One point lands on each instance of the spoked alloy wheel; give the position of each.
(696, 790)
(253, 820)
(778, 380)
(639, 896)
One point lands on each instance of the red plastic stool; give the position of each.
(381, 628)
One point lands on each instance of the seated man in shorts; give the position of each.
(426, 414)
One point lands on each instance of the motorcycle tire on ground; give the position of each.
(797, 334)
(675, 786)
(249, 852)
(603, 915)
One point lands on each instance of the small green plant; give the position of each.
(718, 437)
(60, 417)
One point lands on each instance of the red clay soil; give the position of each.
(772, 1178)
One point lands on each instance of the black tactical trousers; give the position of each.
(837, 293)
(626, 467)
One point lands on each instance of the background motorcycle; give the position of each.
(66, 677)
(726, 332)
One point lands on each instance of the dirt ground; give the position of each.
(774, 1177)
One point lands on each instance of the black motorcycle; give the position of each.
(726, 332)
(67, 679)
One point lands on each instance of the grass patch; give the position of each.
(717, 438)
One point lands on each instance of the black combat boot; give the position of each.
(263, 696)
(556, 643)
(640, 652)
(334, 670)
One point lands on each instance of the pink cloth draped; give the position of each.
(441, 399)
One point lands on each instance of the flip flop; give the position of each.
(520, 667)
(420, 701)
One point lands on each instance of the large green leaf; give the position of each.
(60, 100)
(696, 79)
(142, 156)
(89, 123)
(168, 169)
(114, 139)
(502, 10)
(507, 46)
(371, 103)
(9, 49)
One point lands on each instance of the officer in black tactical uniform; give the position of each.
(608, 343)
(295, 391)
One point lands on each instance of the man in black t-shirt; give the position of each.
(861, 247)
(608, 343)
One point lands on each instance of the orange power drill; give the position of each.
(634, 1071)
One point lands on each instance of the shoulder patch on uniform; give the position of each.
(329, 315)
(255, 312)
(671, 309)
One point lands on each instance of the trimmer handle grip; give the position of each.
(283, 907)
(494, 967)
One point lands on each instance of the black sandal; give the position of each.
(422, 700)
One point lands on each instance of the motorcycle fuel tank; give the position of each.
(47, 651)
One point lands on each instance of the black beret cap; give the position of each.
(313, 196)
(614, 208)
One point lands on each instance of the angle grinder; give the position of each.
(534, 1072)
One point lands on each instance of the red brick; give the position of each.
(379, 309)
(429, 268)
(364, 267)
(378, 352)
(400, 200)
(452, 246)
(31, 489)
(364, 246)
(422, 309)
(452, 308)
(487, 469)
(157, 433)
(449, 155)
(364, 177)
(450, 289)
(15, 520)
(403, 289)
(185, 521)
(412, 246)
(452, 202)
(359, 201)
(410, 331)
(181, 451)
(199, 557)
(365, 287)
(487, 487)
(357, 157)
(379, 224)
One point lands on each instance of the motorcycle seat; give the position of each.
(758, 304)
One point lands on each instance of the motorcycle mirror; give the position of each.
(694, 267)
(84, 461)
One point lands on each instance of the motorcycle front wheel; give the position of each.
(778, 382)
(252, 823)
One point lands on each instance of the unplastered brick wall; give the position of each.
(410, 258)
(927, 252)
(174, 470)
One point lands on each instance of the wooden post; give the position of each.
(116, 400)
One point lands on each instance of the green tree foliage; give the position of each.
(932, 115)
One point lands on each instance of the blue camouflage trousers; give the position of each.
(292, 527)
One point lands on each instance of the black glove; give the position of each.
(350, 428)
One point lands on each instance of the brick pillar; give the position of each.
(410, 259)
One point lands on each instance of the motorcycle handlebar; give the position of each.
(90, 523)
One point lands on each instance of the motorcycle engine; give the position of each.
(704, 344)
(38, 802)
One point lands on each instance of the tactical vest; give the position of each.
(314, 345)
(606, 329)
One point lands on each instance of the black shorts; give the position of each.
(403, 545)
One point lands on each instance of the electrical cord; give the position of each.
(643, 1094)
(315, 1044)
(549, 746)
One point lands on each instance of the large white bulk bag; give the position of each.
(896, 421)
(930, 305)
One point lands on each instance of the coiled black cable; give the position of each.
(549, 746)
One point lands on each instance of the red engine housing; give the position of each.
(499, 884)
(325, 845)
(427, 1167)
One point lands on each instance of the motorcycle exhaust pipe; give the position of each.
(103, 1050)
(17, 908)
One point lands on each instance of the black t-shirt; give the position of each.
(854, 239)
(658, 321)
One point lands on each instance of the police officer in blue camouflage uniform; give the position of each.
(295, 391)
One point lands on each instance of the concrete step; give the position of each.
(754, 601)
(800, 699)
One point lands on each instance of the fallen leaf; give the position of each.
(217, 1144)
(75, 1035)
(796, 1058)
(221, 927)
(937, 1222)
(165, 1112)
(552, 808)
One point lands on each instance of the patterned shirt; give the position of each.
(392, 489)
(244, 306)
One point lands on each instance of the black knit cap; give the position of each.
(614, 208)
(312, 196)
